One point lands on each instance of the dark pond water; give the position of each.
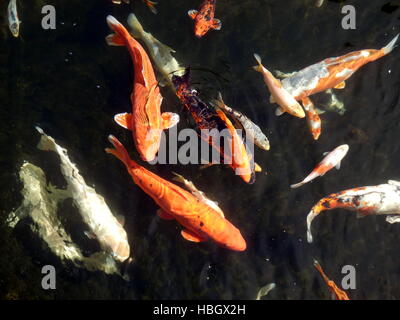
(71, 83)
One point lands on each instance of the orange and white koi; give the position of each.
(279, 94)
(150, 4)
(313, 119)
(201, 222)
(383, 199)
(337, 293)
(204, 18)
(331, 160)
(146, 121)
(331, 72)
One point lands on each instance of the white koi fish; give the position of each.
(92, 207)
(383, 199)
(13, 21)
(279, 94)
(331, 160)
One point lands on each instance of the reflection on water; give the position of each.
(70, 83)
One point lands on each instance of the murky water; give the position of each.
(71, 83)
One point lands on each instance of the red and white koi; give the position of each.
(313, 119)
(331, 160)
(383, 199)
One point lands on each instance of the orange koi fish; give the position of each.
(279, 94)
(146, 121)
(383, 199)
(204, 18)
(201, 222)
(331, 72)
(313, 119)
(150, 4)
(337, 293)
(332, 159)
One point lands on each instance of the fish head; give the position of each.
(344, 148)
(122, 251)
(14, 28)
(149, 145)
(235, 241)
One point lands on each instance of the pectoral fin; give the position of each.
(193, 13)
(169, 119)
(338, 166)
(115, 40)
(164, 215)
(191, 236)
(340, 85)
(279, 112)
(124, 120)
(217, 24)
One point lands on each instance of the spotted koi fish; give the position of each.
(337, 293)
(313, 119)
(204, 18)
(279, 94)
(200, 221)
(331, 72)
(332, 159)
(146, 120)
(383, 199)
(150, 4)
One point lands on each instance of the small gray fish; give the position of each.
(13, 21)
(252, 130)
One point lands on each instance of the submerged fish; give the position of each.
(92, 206)
(313, 119)
(265, 290)
(204, 18)
(383, 199)
(161, 54)
(331, 160)
(279, 94)
(337, 293)
(331, 72)
(252, 130)
(201, 222)
(146, 121)
(150, 4)
(319, 3)
(197, 193)
(40, 203)
(13, 21)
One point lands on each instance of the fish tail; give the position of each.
(151, 5)
(259, 66)
(178, 177)
(390, 46)
(46, 143)
(136, 27)
(120, 152)
(297, 185)
(120, 35)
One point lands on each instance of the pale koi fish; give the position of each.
(331, 160)
(13, 21)
(313, 119)
(383, 199)
(279, 94)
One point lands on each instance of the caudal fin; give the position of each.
(310, 217)
(296, 185)
(390, 46)
(135, 26)
(259, 66)
(120, 152)
(120, 35)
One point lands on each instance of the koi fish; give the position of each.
(146, 121)
(337, 293)
(201, 222)
(279, 94)
(13, 21)
(331, 72)
(383, 199)
(265, 290)
(208, 119)
(92, 206)
(204, 18)
(150, 4)
(252, 130)
(331, 160)
(197, 193)
(313, 119)
(166, 64)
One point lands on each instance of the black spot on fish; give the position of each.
(326, 204)
(201, 224)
